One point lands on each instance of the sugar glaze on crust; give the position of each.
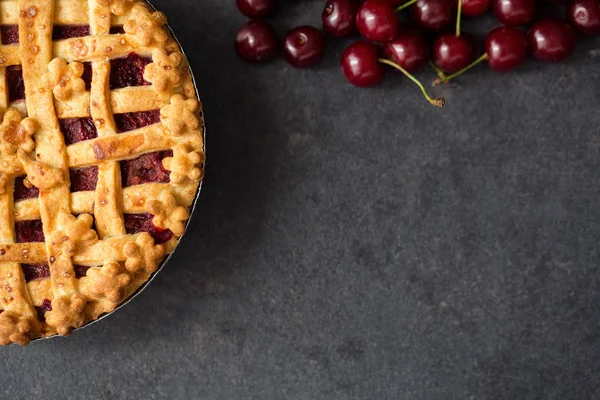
(97, 247)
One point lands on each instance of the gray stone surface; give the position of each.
(360, 244)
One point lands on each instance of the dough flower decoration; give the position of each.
(66, 314)
(180, 117)
(65, 79)
(165, 71)
(143, 254)
(147, 27)
(168, 214)
(16, 133)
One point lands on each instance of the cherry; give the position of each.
(475, 8)
(514, 12)
(339, 17)
(360, 66)
(377, 21)
(506, 48)
(584, 16)
(256, 8)
(551, 40)
(395, 3)
(256, 41)
(433, 15)
(303, 47)
(451, 53)
(409, 50)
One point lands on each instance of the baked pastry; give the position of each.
(101, 157)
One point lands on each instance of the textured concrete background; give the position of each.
(360, 244)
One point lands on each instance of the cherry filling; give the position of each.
(136, 120)
(128, 71)
(35, 271)
(147, 168)
(87, 75)
(22, 191)
(42, 271)
(78, 129)
(45, 307)
(29, 231)
(10, 34)
(117, 30)
(61, 32)
(135, 223)
(15, 83)
(81, 270)
(83, 179)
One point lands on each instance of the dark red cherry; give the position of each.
(339, 17)
(452, 53)
(584, 16)
(377, 21)
(551, 40)
(514, 12)
(506, 48)
(360, 65)
(395, 3)
(256, 41)
(409, 50)
(256, 8)
(475, 8)
(303, 47)
(433, 15)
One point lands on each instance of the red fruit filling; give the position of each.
(61, 32)
(83, 179)
(147, 168)
(42, 271)
(41, 310)
(10, 34)
(78, 129)
(15, 83)
(128, 71)
(29, 231)
(136, 120)
(22, 191)
(87, 75)
(117, 30)
(135, 223)
(81, 270)
(35, 271)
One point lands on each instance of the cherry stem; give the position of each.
(405, 5)
(483, 57)
(438, 102)
(437, 70)
(458, 15)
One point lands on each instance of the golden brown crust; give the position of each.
(87, 228)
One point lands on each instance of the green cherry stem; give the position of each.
(483, 57)
(438, 102)
(405, 5)
(458, 16)
(437, 70)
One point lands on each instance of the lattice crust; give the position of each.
(67, 256)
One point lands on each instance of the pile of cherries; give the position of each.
(431, 35)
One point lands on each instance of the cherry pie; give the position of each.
(101, 157)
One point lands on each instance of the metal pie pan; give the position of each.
(192, 212)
